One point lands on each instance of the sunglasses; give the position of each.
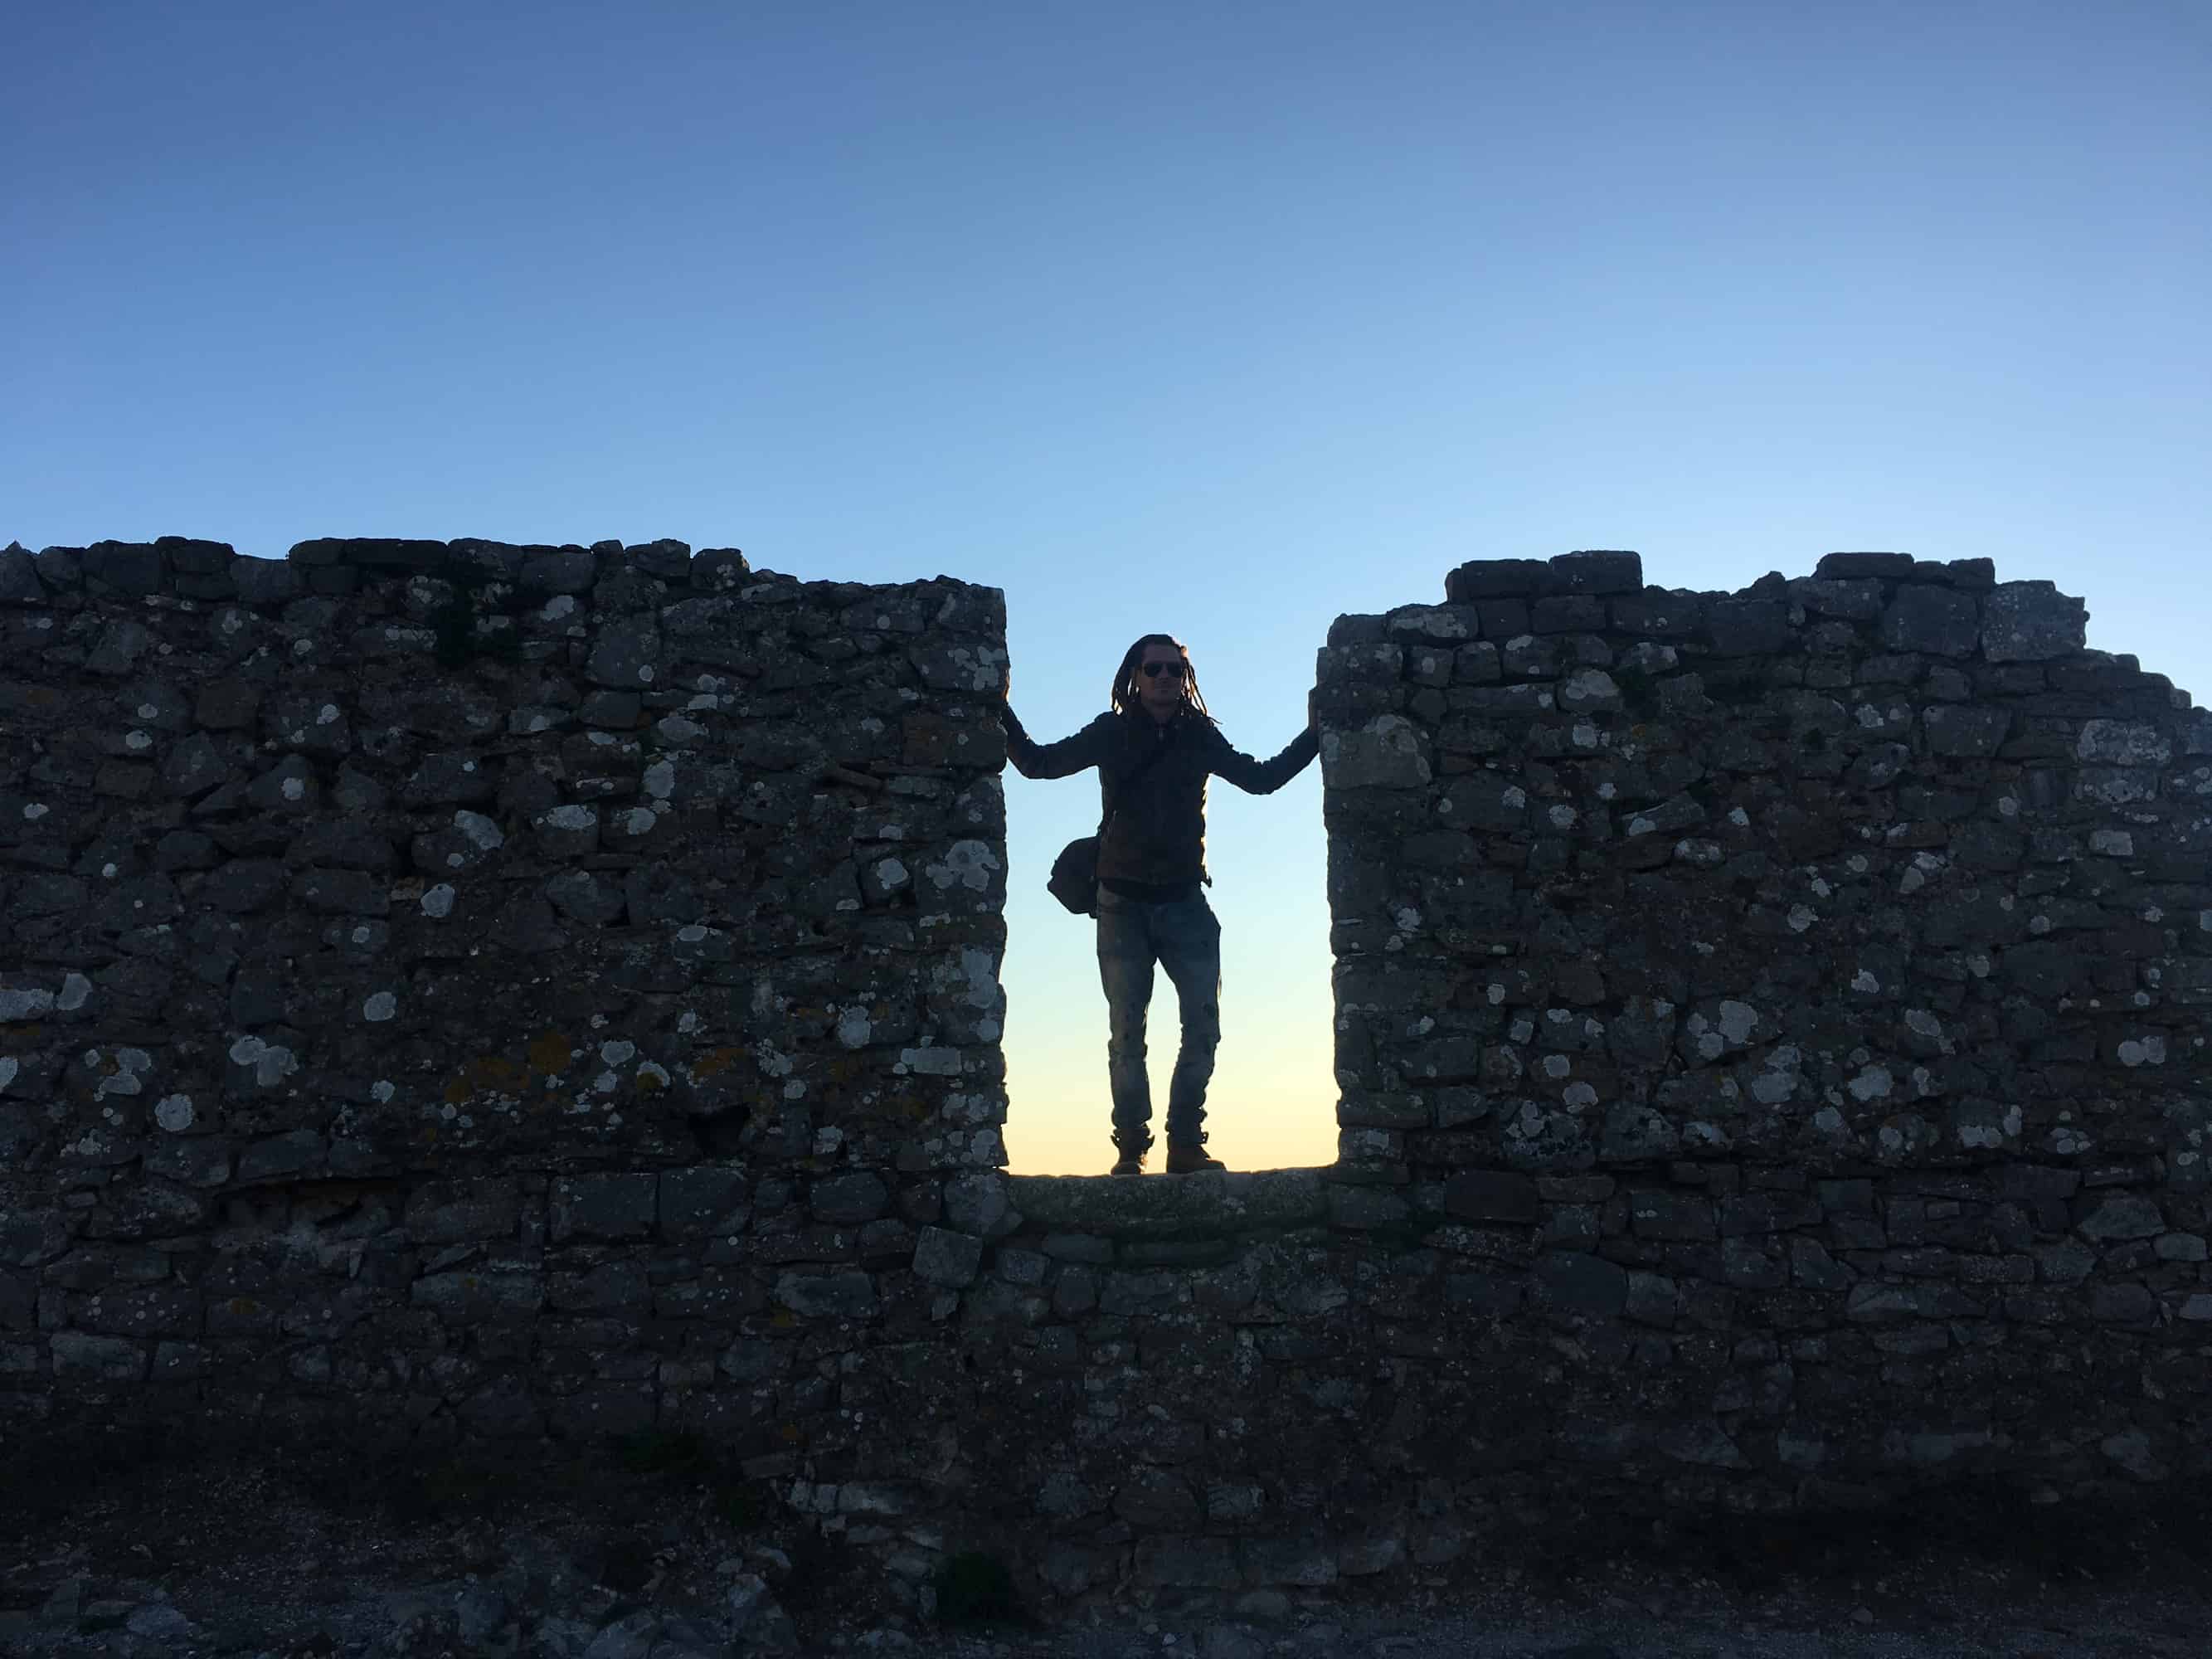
(1152, 671)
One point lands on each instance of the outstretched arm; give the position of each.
(1259, 777)
(1056, 759)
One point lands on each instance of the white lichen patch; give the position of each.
(438, 901)
(617, 1052)
(929, 1062)
(660, 779)
(1802, 918)
(2148, 1050)
(482, 832)
(25, 1002)
(854, 1028)
(382, 1091)
(175, 1113)
(1873, 1082)
(1777, 1081)
(380, 1006)
(970, 864)
(75, 992)
(269, 1062)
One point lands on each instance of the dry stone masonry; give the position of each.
(456, 991)
(424, 962)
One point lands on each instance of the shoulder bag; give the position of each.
(1074, 879)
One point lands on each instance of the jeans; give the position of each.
(1184, 937)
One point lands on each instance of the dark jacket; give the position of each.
(1157, 834)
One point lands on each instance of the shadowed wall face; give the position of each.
(454, 991)
(642, 876)
(1872, 870)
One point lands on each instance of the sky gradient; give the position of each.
(1216, 321)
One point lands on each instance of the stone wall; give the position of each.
(462, 991)
(422, 961)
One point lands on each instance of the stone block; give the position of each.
(1747, 627)
(947, 1258)
(609, 1207)
(463, 1211)
(605, 1410)
(1389, 752)
(474, 1296)
(370, 553)
(1599, 571)
(1844, 567)
(2031, 622)
(1188, 1563)
(266, 582)
(1490, 579)
(703, 1202)
(1672, 1216)
(1966, 732)
(82, 1355)
(846, 1199)
(1157, 1499)
(1567, 613)
(837, 1294)
(2113, 1215)
(1492, 1195)
(548, 570)
(1304, 1563)
(1574, 1283)
(288, 1157)
(128, 569)
(1936, 621)
(19, 577)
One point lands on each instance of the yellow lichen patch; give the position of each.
(549, 1052)
(716, 1061)
(488, 1073)
(650, 1083)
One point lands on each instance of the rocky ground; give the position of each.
(661, 1554)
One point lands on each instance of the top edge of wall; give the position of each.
(190, 567)
(1600, 573)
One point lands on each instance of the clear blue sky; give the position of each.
(1220, 319)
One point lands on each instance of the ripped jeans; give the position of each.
(1182, 936)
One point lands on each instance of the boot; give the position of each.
(1189, 1158)
(1132, 1159)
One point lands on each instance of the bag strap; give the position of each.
(1159, 748)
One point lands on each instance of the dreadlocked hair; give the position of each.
(1126, 678)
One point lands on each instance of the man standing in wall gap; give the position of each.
(1154, 750)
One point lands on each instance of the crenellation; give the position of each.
(463, 990)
